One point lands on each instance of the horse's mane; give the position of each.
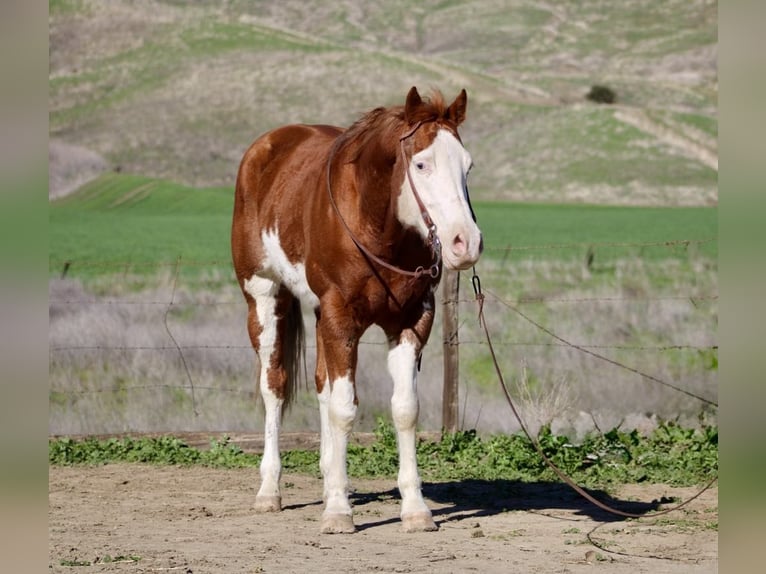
(386, 125)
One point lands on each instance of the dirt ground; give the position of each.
(139, 518)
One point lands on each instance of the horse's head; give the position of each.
(438, 167)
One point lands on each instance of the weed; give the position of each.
(161, 450)
(75, 562)
(670, 455)
(120, 558)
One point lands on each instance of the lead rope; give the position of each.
(476, 282)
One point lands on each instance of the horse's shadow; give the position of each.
(472, 499)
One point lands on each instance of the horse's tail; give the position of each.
(294, 352)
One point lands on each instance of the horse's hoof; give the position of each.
(268, 503)
(418, 522)
(337, 524)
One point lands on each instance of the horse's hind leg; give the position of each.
(267, 306)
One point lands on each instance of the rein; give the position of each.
(433, 240)
(577, 488)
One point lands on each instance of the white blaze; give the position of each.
(439, 174)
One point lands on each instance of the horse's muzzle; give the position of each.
(463, 250)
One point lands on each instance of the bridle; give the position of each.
(434, 243)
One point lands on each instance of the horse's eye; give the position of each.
(420, 165)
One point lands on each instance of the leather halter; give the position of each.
(433, 240)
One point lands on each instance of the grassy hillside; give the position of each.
(178, 90)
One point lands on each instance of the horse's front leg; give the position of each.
(402, 359)
(338, 403)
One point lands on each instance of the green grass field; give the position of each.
(120, 220)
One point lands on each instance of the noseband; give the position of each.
(433, 240)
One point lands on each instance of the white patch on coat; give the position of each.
(291, 275)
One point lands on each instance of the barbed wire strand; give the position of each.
(653, 348)
(587, 349)
(521, 301)
(226, 263)
(598, 355)
(671, 243)
(155, 387)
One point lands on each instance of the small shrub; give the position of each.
(602, 95)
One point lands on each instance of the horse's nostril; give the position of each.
(459, 246)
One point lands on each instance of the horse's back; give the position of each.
(282, 154)
(277, 177)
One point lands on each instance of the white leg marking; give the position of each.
(404, 408)
(341, 415)
(264, 291)
(269, 497)
(325, 449)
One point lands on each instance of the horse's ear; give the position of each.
(412, 104)
(456, 111)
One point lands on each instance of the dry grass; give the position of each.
(634, 316)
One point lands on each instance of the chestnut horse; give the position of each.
(354, 223)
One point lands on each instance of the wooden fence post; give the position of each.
(450, 290)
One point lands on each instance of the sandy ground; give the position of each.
(136, 518)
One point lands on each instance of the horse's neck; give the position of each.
(378, 197)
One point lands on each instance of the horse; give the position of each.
(356, 224)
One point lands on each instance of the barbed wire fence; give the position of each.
(162, 346)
